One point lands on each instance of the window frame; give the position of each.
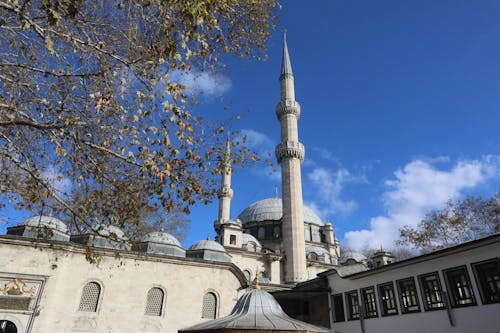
(162, 305)
(400, 295)
(451, 295)
(423, 291)
(364, 302)
(216, 305)
(335, 320)
(350, 315)
(99, 296)
(383, 312)
(479, 281)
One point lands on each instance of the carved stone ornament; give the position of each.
(17, 287)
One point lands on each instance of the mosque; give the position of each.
(51, 281)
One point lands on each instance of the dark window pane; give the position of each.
(488, 280)
(369, 302)
(353, 305)
(338, 308)
(459, 287)
(431, 291)
(408, 295)
(387, 299)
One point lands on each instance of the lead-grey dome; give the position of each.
(247, 239)
(207, 244)
(256, 310)
(46, 221)
(350, 256)
(161, 238)
(272, 210)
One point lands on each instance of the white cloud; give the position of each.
(205, 83)
(329, 186)
(264, 147)
(417, 188)
(58, 181)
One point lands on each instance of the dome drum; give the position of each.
(43, 227)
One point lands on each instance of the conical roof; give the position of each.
(256, 310)
(286, 65)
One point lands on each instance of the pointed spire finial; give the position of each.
(256, 280)
(286, 66)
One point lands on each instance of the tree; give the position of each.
(94, 124)
(458, 222)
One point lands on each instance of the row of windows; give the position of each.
(458, 285)
(155, 300)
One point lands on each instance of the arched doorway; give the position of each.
(6, 326)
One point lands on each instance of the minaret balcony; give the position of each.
(290, 149)
(288, 106)
(225, 192)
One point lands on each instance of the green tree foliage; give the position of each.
(94, 123)
(458, 222)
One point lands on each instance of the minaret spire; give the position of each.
(225, 193)
(290, 154)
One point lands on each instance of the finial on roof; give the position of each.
(256, 280)
(276, 192)
(208, 236)
(286, 66)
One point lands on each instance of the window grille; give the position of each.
(90, 297)
(431, 291)
(209, 306)
(387, 299)
(154, 302)
(369, 302)
(353, 305)
(408, 295)
(459, 287)
(488, 279)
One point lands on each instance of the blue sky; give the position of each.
(400, 111)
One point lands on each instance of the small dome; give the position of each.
(207, 245)
(353, 256)
(272, 210)
(46, 221)
(256, 310)
(318, 250)
(107, 230)
(161, 237)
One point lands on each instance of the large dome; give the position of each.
(272, 210)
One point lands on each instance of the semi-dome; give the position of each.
(272, 210)
(207, 244)
(255, 310)
(247, 239)
(351, 256)
(161, 238)
(46, 221)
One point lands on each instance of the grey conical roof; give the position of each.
(256, 310)
(286, 65)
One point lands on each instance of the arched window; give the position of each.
(6, 326)
(261, 233)
(209, 309)
(247, 274)
(154, 302)
(90, 297)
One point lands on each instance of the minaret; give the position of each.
(290, 154)
(225, 193)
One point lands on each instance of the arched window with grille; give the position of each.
(90, 297)
(209, 309)
(154, 302)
